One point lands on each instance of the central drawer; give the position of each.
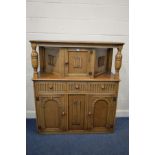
(78, 87)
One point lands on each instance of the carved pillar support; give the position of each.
(34, 59)
(118, 62)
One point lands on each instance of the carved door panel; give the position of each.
(77, 62)
(76, 112)
(101, 112)
(52, 113)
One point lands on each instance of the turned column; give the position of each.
(34, 59)
(118, 61)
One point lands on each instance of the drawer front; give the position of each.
(78, 87)
(103, 87)
(47, 87)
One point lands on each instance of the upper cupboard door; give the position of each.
(78, 62)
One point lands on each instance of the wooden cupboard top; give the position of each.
(77, 44)
(52, 77)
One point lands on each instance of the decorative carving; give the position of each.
(118, 62)
(34, 59)
(77, 62)
(101, 61)
(76, 109)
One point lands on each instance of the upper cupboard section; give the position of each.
(71, 62)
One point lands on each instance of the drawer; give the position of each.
(103, 87)
(47, 87)
(77, 87)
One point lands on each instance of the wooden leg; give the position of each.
(118, 62)
(34, 58)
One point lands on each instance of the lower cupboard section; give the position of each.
(61, 113)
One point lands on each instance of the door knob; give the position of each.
(102, 87)
(63, 113)
(77, 87)
(66, 62)
(50, 87)
(89, 113)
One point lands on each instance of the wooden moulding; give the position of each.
(78, 44)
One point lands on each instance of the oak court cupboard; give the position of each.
(74, 88)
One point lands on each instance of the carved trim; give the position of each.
(77, 62)
(101, 61)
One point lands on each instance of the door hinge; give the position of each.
(37, 98)
(114, 98)
(90, 73)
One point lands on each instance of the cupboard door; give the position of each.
(76, 112)
(101, 112)
(52, 113)
(77, 62)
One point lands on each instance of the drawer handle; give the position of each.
(63, 113)
(77, 87)
(102, 86)
(89, 113)
(66, 62)
(50, 87)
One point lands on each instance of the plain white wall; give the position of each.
(82, 20)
